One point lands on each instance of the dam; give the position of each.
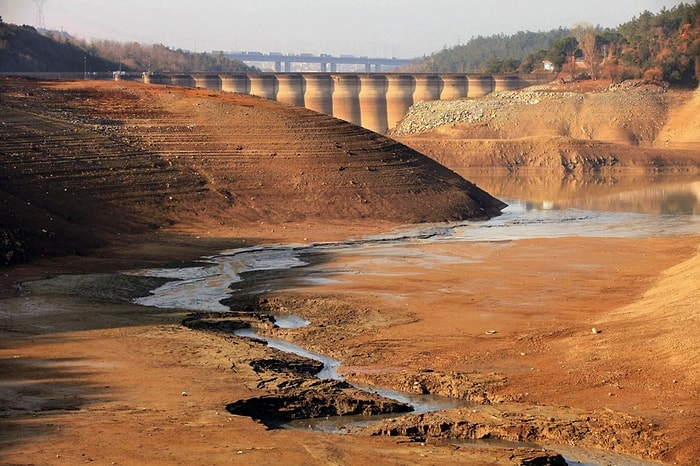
(376, 101)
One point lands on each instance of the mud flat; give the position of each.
(443, 269)
(78, 354)
(427, 313)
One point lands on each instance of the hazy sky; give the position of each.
(400, 28)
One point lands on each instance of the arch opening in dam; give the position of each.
(376, 101)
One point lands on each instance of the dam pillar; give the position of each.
(373, 104)
(480, 85)
(399, 97)
(238, 83)
(346, 98)
(318, 93)
(290, 89)
(184, 80)
(263, 85)
(454, 86)
(427, 87)
(150, 78)
(508, 82)
(207, 81)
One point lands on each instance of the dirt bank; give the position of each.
(139, 158)
(630, 126)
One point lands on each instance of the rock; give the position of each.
(314, 399)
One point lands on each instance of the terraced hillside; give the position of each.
(86, 161)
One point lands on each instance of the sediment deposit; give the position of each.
(103, 178)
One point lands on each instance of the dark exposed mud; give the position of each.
(294, 391)
(475, 387)
(312, 399)
(605, 429)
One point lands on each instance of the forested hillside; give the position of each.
(481, 54)
(666, 44)
(24, 49)
(662, 46)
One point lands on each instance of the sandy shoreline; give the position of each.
(104, 380)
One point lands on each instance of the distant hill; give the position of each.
(477, 54)
(661, 46)
(24, 49)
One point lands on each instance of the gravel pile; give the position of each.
(425, 116)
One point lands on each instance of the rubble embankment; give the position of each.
(508, 114)
(632, 125)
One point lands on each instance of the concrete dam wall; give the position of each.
(376, 101)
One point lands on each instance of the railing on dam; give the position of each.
(375, 101)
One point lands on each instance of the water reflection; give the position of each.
(660, 194)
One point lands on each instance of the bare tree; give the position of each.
(585, 34)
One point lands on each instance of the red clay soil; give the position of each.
(101, 177)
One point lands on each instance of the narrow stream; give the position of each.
(419, 403)
(330, 365)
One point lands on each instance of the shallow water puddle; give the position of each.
(201, 288)
(521, 221)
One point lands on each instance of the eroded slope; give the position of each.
(85, 160)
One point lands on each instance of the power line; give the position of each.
(40, 13)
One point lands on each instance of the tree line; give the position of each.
(24, 49)
(662, 46)
(134, 56)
